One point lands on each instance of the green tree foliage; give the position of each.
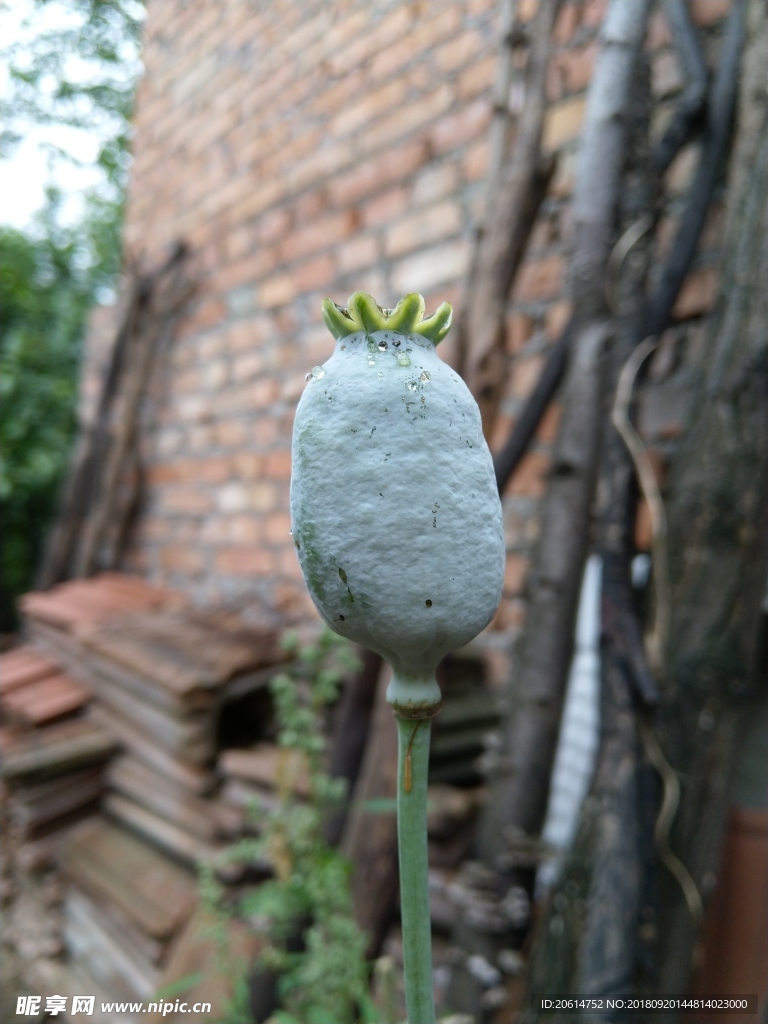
(70, 66)
(45, 294)
(73, 63)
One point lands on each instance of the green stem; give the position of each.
(413, 763)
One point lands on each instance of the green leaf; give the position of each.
(179, 987)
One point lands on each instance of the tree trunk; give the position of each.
(717, 563)
(718, 540)
(519, 787)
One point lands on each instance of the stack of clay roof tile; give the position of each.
(156, 678)
(161, 674)
(52, 757)
(124, 902)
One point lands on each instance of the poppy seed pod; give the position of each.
(395, 512)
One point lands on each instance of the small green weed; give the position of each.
(326, 982)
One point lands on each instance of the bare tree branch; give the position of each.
(691, 104)
(512, 209)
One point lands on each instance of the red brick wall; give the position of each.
(315, 148)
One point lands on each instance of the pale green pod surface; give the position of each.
(394, 506)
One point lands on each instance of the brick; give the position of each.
(273, 225)
(658, 31)
(334, 94)
(265, 431)
(315, 273)
(289, 568)
(232, 497)
(708, 12)
(245, 529)
(502, 427)
(459, 51)
(214, 375)
(308, 30)
(475, 162)
(530, 479)
(556, 318)
(213, 470)
(248, 335)
(520, 328)
(539, 279)
(291, 389)
(258, 199)
(713, 231)
(182, 559)
(562, 183)
(278, 465)
(372, 175)
(291, 153)
(434, 266)
(510, 615)
(385, 207)
(277, 528)
(419, 229)
(230, 433)
(187, 500)
(244, 561)
(358, 252)
(376, 38)
(567, 23)
(666, 76)
(246, 366)
(239, 243)
(643, 527)
(455, 130)
(574, 68)
(682, 168)
(515, 571)
(319, 234)
(309, 207)
(277, 291)
(562, 123)
(593, 13)
(698, 294)
(550, 422)
(262, 392)
(526, 371)
(477, 79)
(419, 113)
(248, 465)
(434, 182)
(426, 32)
(526, 9)
(262, 496)
(544, 234)
(374, 104)
(209, 312)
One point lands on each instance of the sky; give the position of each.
(30, 167)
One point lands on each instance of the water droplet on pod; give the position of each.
(403, 359)
(382, 346)
(425, 375)
(317, 372)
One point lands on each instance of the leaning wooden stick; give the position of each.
(397, 524)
